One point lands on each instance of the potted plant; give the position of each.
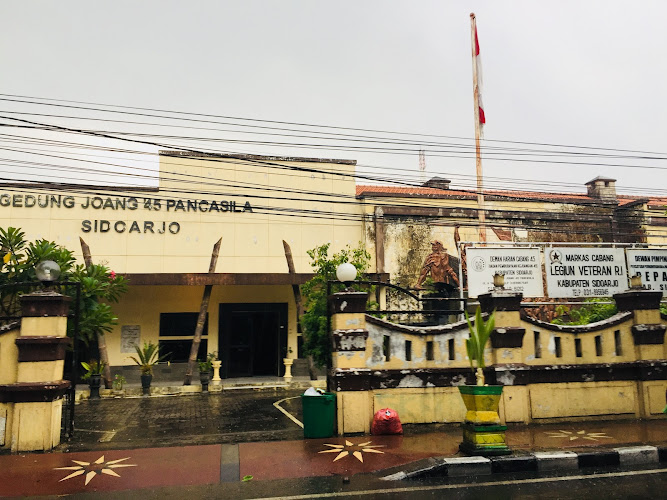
(117, 384)
(205, 371)
(93, 375)
(148, 356)
(482, 432)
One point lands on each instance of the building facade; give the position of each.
(161, 239)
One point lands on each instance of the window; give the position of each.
(386, 347)
(429, 350)
(558, 347)
(618, 348)
(408, 350)
(538, 346)
(176, 332)
(450, 348)
(577, 348)
(598, 345)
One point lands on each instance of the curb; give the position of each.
(539, 461)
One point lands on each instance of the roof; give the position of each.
(600, 178)
(200, 154)
(429, 192)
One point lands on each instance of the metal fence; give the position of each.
(424, 308)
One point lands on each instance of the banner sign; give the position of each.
(585, 272)
(651, 265)
(521, 267)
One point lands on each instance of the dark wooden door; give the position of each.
(252, 339)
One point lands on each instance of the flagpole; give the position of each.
(475, 86)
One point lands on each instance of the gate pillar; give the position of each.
(507, 351)
(648, 335)
(35, 399)
(349, 376)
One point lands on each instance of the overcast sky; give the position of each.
(575, 73)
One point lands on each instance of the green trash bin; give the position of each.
(319, 413)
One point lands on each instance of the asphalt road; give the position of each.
(607, 484)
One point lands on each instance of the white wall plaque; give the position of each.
(651, 265)
(585, 272)
(521, 267)
(130, 335)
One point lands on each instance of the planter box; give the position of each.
(482, 432)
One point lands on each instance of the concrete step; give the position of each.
(166, 388)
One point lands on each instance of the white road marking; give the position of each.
(108, 436)
(463, 485)
(289, 415)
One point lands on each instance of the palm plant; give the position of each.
(148, 356)
(93, 368)
(479, 335)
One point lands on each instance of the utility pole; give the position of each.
(479, 121)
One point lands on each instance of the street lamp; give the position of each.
(47, 272)
(346, 273)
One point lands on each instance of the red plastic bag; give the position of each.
(386, 421)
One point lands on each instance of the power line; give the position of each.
(279, 122)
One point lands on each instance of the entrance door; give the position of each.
(252, 339)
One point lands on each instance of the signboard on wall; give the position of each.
(521, 267)
(651, 265)
(584, 272)
(130, 335)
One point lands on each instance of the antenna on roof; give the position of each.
(422, 166)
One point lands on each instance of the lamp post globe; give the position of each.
(346, 273)
(47, 271)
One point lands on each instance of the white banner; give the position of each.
(585, 272)
(521, 267)
(651, 265)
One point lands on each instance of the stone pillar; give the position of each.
(349, 375)
(648, 330)
(507, 352)
(648, 335)
(35, 399)
(507, 337)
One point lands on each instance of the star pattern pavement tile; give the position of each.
(572, 435)
(92, 469)
(349, 448)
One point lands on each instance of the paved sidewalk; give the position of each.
(276, 450)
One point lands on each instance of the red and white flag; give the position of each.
(478, 64)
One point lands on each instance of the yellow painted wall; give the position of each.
(36, 425)
(142, 306)
(520, 404)
(252, 242)
(9, 354)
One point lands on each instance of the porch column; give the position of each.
(35, 399)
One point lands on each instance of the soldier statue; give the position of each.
(444, 278)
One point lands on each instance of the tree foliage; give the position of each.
(99, 285)
(590, 311)
(314, 293)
